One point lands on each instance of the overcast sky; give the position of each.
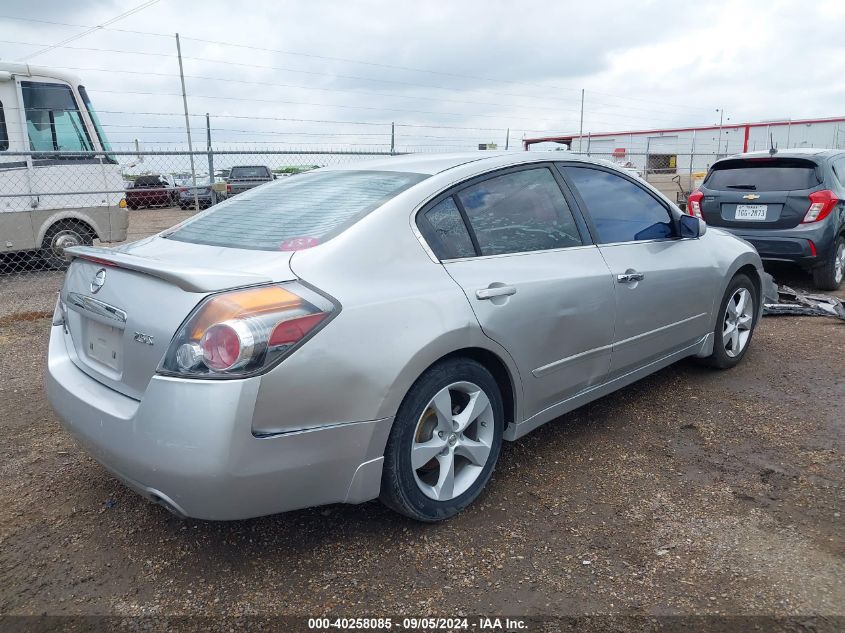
(479, 64)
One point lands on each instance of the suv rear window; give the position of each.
(248, 172)
(303, 209)
(764, 174)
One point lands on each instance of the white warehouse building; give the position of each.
(691, 150)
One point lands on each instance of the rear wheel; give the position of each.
(444, 443)
(829, 276)
(735, 325)
(61, 236)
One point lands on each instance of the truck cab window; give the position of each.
(53, 120)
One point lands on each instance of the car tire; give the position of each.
(62, 235)
(735, 324)
(453, 414)
(830, 275)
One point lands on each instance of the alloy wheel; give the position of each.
(738, 319)
(452, 441)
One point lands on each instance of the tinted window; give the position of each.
(293, 212)
(149, 181)
(249, 172)
(519, 212)
(838, 169)
(621, 211)
(4, 135)
(53, 120)
(450, 236)
(764, 174)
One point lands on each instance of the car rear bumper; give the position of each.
(805, 244)
(188, 444)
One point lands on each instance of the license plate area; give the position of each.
(753, 212)
(104, 344)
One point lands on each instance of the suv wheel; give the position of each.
(829, 276)
(444, 443)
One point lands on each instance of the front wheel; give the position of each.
(445, 441)
(735, 325)
(62, 236)
(831, 273)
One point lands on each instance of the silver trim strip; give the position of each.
(657, 330)
(551, 367)
(94, 306)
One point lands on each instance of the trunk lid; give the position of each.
(759, 193)
(123, 306)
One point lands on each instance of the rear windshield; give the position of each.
(148, 181)
(249, 172)
(298, 211)
(776, 174)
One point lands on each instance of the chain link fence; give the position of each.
(50, 201)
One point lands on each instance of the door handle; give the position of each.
(496, 291)
(630, 276)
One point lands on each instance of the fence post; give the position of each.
(691, 159)
(392, 138)
(507, 138)
(645, 169)
(187, 124)
(210, 159)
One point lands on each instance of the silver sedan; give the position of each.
(377, 330)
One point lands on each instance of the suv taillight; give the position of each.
(245, 332)
(228, 188)
(821, 204)
(694, 204)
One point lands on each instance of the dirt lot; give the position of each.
(691, 492)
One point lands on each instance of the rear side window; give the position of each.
(4, 134)
(765, 174)
(838, 169)
(301, 210)
(450, 236)
(519, 212)
(621, 210)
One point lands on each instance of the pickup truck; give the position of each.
(243, 177)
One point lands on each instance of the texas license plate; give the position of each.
(751, 212)
(104, 344)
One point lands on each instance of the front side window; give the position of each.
(301, 211)
(53, 120)
(4, 134)
(519, 212)
(621, 210)
(98, 127)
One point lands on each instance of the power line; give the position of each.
(125, 14)
(367, 63)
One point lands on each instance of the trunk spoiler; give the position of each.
(187, 278)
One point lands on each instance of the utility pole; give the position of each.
(392, 137)
(507, 138)
(721, 112)
(210, 159)
(187, 124)
(581, 127)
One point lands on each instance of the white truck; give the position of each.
(59, 185)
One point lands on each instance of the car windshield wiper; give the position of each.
(751, 187)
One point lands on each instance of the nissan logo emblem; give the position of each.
(98, 281)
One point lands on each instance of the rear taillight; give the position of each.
(183, 190)
(694, 204)
(245, 332)
(228, 188)
(821, 204)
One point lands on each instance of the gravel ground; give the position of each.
(691, 492)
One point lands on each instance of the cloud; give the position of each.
(495, 64)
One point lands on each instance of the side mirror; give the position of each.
(691, 226)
